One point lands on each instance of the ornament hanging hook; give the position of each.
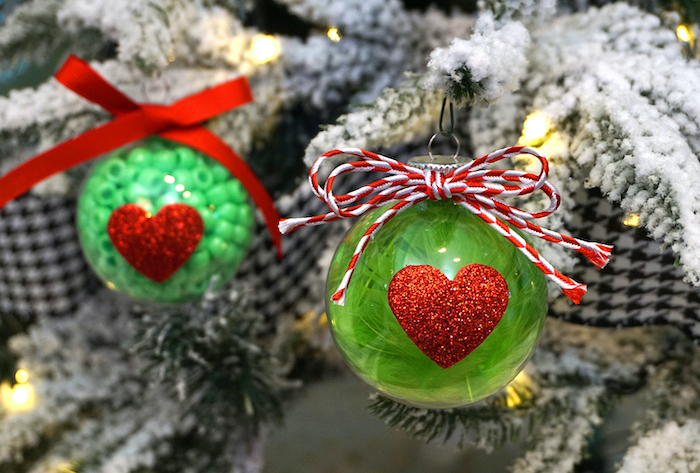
(452, 119)
(446, 133)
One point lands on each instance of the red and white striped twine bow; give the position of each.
(470, 184)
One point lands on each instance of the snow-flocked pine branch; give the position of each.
(482, 68)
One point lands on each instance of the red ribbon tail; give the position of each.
(89, 145)
(77, 75)
(575, 294)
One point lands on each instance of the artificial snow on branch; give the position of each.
(561, 442)
(620, 99)
(482, 68)
(379, 41)
(32, 121)
(398, 116)
(628, 104)
(384, 21)
(208, 45)
(195, 394)
(31, 29)
(529, 12)
(209, 355)
(92, 403)
(672, 448)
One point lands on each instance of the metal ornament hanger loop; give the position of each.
(160, 85)
(445, 133)
(430, 147)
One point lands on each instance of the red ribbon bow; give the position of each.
(469, 184)
(180, 122)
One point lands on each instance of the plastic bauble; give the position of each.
(447, 237)
(162, 222)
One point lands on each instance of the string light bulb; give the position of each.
(311, 322)
(631, 220)
(264, 48)
(65, 467)
(535, 129)
(20, 397)
(519, 390)
(22, 376)
(513, 399)
(683, 33)
(333, 34)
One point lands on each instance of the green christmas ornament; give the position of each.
(159, 221)
(445, 236)
(435, 296)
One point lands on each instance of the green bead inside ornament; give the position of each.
(152, 176)
(447, 236)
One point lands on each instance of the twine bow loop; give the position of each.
(471, 185)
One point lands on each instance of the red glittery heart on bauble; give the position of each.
(447, 319)
(156, 245)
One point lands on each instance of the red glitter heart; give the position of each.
(156, 245)
(447, 319)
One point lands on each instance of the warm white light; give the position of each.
(334, 34)
(535, 128)
(512, 397)
(442, 250)
(522, 378)
(519, 390)
(264, 48)
(22, 376)
(186, 194)
(64, 467)
(631, 220)
(684, 34)
(555, 145)
(20, 394)
(311, 323)
(180, 187)
(21, 397)
(169, 179)
(236, 50)
(457, 260)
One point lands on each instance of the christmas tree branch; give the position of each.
(618, 115)
(31, 29)
(101, 407)
(672, 448)
(208, 354)
(482, 68)
(398, 116)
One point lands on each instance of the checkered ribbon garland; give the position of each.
(470, 185)
(642, 285)
(42, 269)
